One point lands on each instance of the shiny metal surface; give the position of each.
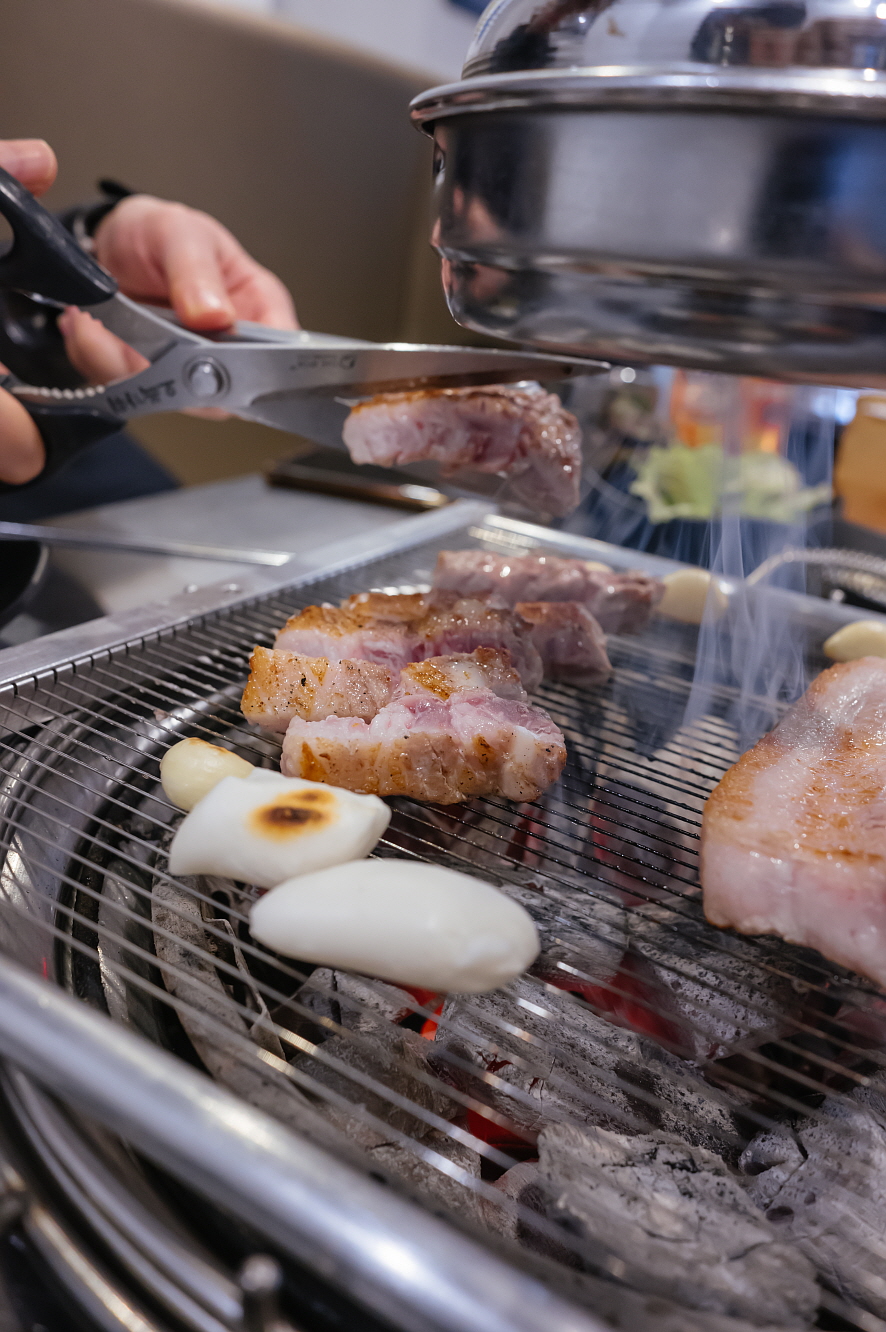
(289, 380)
(83, 642)
(519, 35)
(79, 540)
(671, 180)
(86, 900)
(393, 1256)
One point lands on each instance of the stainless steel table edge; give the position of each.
(68, 646)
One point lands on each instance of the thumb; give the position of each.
(31, 161)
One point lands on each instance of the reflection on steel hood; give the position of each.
(671, 180)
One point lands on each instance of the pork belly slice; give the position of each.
(522, 433)
(621, 602)
(461, 625)
(446, 751)
(283, 685)
(794, 836)
(570, 642)
(394, 631)
(441, 677)
(352, 633)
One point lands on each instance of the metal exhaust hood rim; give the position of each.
(712, 87)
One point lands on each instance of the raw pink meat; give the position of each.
(794, 836)
(522, 433)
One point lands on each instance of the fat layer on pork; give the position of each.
(794, 836)
(522, 433)
(620, 602)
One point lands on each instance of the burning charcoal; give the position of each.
(452, 1188)
(373, 1075)
(824, 1188)
(354, 1002)
(535, 1054)
(567, 1066)
(719, 995)
(579, 933)
(522, 1186)
(676, 1222)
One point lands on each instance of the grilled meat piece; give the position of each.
(570, 642)
(621, 602)
(283, 685)
(398, 630)
(465, 624)
(677, 1219)
(794, 836)
(522, 433)
(446, 751)
(441, 677)
(348, 633)
(391, 607)
(824, 1186)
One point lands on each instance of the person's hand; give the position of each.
(21, 449)
(168, 254)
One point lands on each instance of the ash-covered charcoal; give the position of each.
(374, 1074)
(716, 991)
(676, 1222)
(535, 1054)
(354, 1002)
(581, 936)
(450, 1185)
(824, 1187)
(567, 1066)
(522, 1217)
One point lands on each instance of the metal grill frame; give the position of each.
(436, 1291)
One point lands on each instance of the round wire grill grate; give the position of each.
(637, 1018)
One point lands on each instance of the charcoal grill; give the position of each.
(181, 1100)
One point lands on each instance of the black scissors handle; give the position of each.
(46, 261)
(45, 258)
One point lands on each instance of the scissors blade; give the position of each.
(312, 415)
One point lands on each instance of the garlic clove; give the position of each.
(861, 638)
(190, 769)
(688, 592)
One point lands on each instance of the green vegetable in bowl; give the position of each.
(678, 482)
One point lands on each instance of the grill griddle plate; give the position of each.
(725, 1070)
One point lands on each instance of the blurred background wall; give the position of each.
(428, 34)
(298, 141)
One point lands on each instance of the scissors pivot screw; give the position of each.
(206, 379)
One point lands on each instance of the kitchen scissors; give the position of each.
(300, 382)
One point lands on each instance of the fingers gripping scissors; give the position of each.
(300, 382)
